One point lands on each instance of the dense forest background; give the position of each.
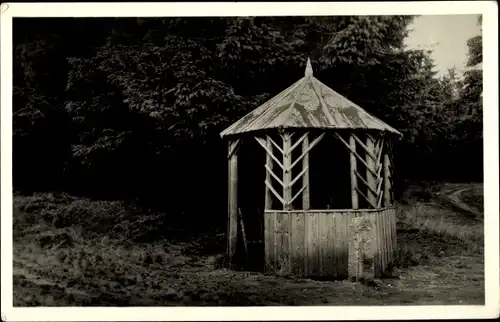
(132, 108)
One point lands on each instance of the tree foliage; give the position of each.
(137, 104)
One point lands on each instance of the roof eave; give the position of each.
(227, 133)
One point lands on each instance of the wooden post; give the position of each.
(287, 171)
(370, 179)
(232, 199)
(354, 179)
(243, 235)
(306, 202)
(391, 168)
(269, 164)
(387, 177)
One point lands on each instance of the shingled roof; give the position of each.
(308, 103)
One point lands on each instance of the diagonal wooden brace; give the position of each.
(298, 194)
(234, 148)
(263, 144)
(312, 145)
(274, 144)
(366, 198)
(276, 194)
(299, 175)
(354, 153)
(365, 183)
(302, 138)
(274, 175)
(362, 144)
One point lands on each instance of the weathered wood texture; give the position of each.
(372, 163)
(232, 198)
(325, 110)
(269, 165)
(354, 180)
(361, 246)
(287, 171)
(306, 203)
(387, 179)
(371, 168)
(317, 243)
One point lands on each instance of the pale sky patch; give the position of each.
(447, 36)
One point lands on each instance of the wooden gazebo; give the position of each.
(297, 238)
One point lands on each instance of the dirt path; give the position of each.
(417, 285)
(454, 197)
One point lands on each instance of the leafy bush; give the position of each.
(114, 219)
(409, 255)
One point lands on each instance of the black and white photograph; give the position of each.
(249, 160)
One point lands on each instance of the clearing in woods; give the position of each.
(77, 252)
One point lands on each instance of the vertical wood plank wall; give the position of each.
(315, 243)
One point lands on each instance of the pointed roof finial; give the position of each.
(309, 69)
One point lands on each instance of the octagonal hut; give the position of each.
(310, 189)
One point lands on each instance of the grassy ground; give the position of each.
(77, 252)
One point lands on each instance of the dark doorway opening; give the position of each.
(251, 196)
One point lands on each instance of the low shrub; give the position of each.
(409, 255)
(434, 220)
(115, 219)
